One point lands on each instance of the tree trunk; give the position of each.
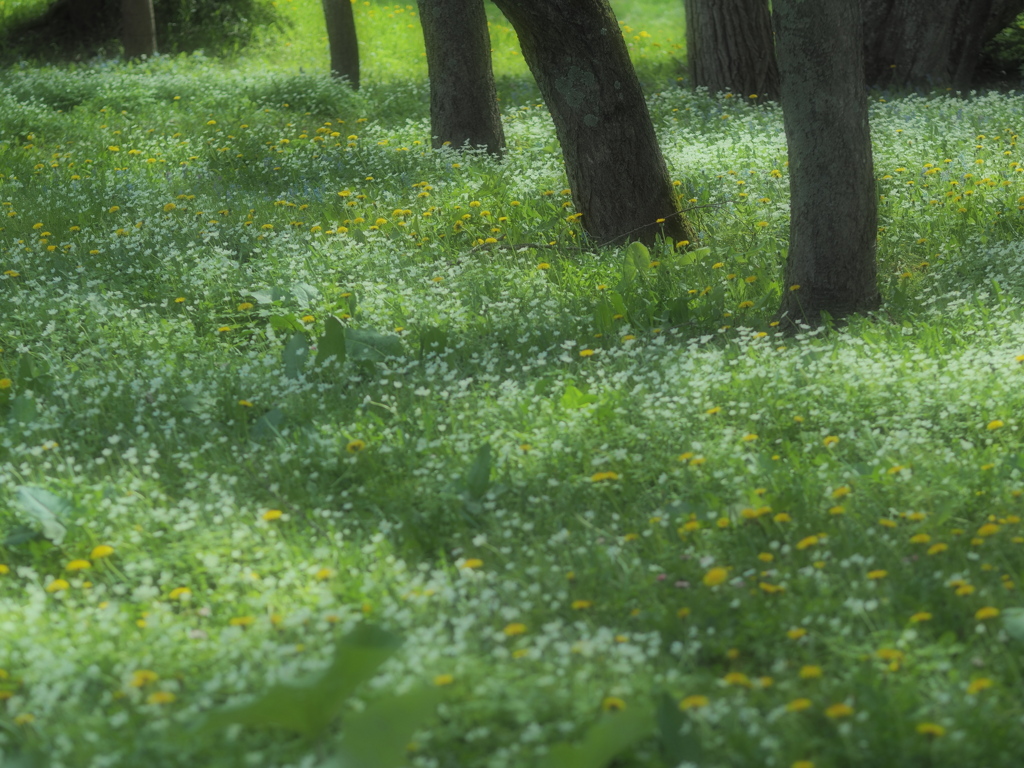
(616, 171)
(463, 102)
(833, 205)
(341, 37)
(730, 47)
(930, 43)
(138, 28)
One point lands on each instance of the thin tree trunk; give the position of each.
(138, 28)
(833, 221)
(463, 101)
(930, 43)
(616, 171)
(730, 47)
(341, 37)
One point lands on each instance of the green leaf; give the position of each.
(603, 741)
(574, 398)
(676, 747)
(294, 356)
(301, 293)
(268, 425)
(432, 339)
(332, 344)
(371, 345)
(377, 736)
(47, 511)
(603, 316)
(640, 257)
(308, 706)
(1013, 622)
(286, 323)
(478, 476)
(23, 409)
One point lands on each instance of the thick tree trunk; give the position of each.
(730, 47)
(138, 28)
(930, 43)
(341, 37)
(463, 102)
(833, 206)
(616, 171)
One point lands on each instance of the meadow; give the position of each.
(273, 370)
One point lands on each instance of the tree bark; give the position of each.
(341, 37)
(463, 101)
(616, 171)
(833, 206)
(930, 43)
(138, 28)
(730, 47)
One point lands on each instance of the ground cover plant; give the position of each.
(295, 409)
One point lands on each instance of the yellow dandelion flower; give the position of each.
(976, 686)
(586, 352)
(798, 705)
(612, 704)
(715, 576)
(78, 565)
(581, 605)
(749, 437)
(877, 574)
(806, 542)
(180, 593)
(796, 633)
(160, 697)
(935, 549)
(841, 491)
(920, 616)
(994, 424)
(598, 477)
(354, 446)
(142, 677)
(272, 514)
(473, 562)
(830, 440)
(323, 574)
(737, 678)
(930, 729)
(839, 710)
(987, 530)
(694, 702)
(988, 612)
(57, 585)
(241, 621)
(810, 672)
(445, 679)
(515, 628)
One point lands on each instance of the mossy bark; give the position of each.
(616, 171)
(930, 43)
(730, 47)
(463, 100)
(342, 40)
(833, 206)
(138, 28)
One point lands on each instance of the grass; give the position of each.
(573, 480)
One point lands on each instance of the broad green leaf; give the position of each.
(308, 706)
(1013, 622)
(301, 293)
(47, 511)
(377, 736)
(294, 356)
(286, 323)
(268, 425)
(574, 398)
(676, 747)
(332, 344)
(23, 409)
(603, 741)
(638, 254)
(603, 316)
(373, 346)
(478, 476)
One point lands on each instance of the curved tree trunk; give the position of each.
(138, 28)
(616, 171)
(833, 224)
(341, 37)
(730, 47)
(463, 102)
(930, 43)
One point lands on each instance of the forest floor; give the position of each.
(286, 393)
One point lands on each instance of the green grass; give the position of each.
(169, 228)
